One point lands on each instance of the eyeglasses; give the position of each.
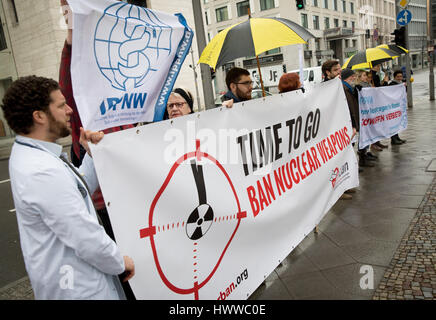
(246, 83)
(178, 105)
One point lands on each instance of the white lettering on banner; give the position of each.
(200, 225)
(383, 113)
(125, 60)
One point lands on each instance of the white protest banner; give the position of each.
(125, 60)
(208, 204)
(383, 113)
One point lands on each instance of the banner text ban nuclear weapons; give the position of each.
(260, 148)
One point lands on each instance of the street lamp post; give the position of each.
(193, 66)
(201, 44)
(430, 45)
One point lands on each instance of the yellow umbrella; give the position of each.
(368, 58)
(251, 38)
(394, 48)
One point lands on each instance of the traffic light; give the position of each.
(300, 4)
(400, 37)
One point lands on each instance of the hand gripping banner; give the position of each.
(125, 60)
(208, 204)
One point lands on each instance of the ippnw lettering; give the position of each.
(366, 100)
(128, 101)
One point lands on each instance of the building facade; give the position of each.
(376, 22)
(31, 39)
(417, 33)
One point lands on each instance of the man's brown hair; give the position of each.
(328, 65)
(234, 75)
(24, 96)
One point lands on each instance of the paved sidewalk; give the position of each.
(18, 290)
(412, 271)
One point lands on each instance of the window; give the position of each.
(336, 22)
(344, 5)
(353, 25)
(206, 17)
(326, 4)
(344, 23)
(315, 3)
(221, 14)
(326, 23)
(352, 7)
(242, 8)
(266, 4)
(3, 44)
(316, 22)
(273, 51)
(304, 21)
(335, 5)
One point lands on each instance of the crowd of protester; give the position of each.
(353, 82)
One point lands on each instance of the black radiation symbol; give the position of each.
(201, 218)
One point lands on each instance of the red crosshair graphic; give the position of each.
(202, 214)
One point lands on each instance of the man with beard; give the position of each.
(331, 69)
(67, 254)
(240, 85)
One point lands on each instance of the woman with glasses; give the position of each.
(181, 103)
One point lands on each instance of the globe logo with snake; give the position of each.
(128, 41)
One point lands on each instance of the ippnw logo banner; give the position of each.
(383, 113)
(125, 60)
(208, 204)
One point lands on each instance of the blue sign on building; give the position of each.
(404, 17)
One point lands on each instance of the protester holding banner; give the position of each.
(77, 151)
(376, 78)
(59, 230)
(331, 69)
(290, 82)
(348, 77)
(377, 82)
(362, 81)
(240, 85)
(398, 79)
(180, 103)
